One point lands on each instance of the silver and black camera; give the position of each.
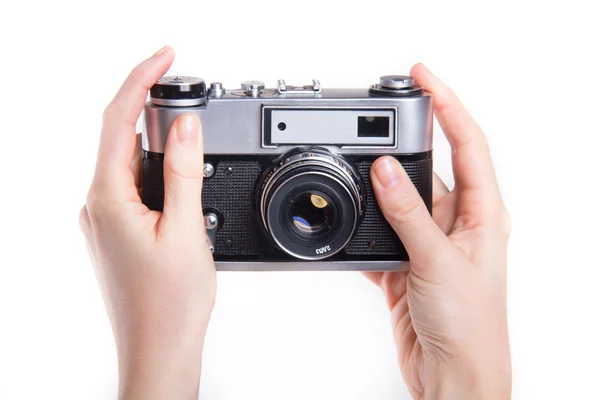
(286, 173)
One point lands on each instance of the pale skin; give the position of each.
(448, 311)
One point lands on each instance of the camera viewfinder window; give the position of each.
(373, 126)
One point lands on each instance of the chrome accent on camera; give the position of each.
(253, 88)
(183, 82)
(211, 222)
(225, 134)
(208, 170)
(255, 94)
(396, 81)
(179, 102)
(371, 265)
(396, 85)
(323, 125)
(315, 88)
(216, 89)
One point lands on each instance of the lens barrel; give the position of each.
(311, 202)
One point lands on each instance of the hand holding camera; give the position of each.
(280, 190)
(158, 284)
(449, 310)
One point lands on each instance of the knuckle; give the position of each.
(84, 219)
(93, 203)
(101, 201)
(137, 73)
(140, 74)
(112, 111)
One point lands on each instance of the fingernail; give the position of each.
(162, 50)
(388, 172)
(188, 128)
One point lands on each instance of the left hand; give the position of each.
(155, 269)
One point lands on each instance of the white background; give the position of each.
(527, 70)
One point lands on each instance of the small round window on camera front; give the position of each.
(281, 126)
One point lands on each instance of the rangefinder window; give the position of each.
(373, 126)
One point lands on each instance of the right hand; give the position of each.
(449, 309)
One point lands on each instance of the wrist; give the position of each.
(160, 361)
(467, 380)
(160, 369)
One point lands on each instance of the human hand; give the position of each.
(156, 274)
(449, 310)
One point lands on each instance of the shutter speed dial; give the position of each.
(178, 91)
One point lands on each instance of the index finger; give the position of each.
(471, 160)
(117, 140)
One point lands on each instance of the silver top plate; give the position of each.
(233, 124)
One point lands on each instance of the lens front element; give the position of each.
(311, 213)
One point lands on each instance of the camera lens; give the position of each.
(311, 203)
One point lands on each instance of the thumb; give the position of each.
(405, 210)
(183, 168)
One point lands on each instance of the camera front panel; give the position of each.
(231, 192)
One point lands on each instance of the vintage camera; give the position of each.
(286, 173)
